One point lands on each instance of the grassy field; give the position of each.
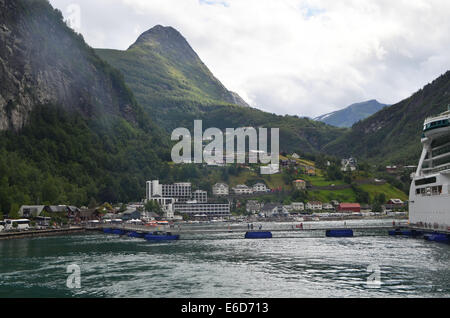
(390, 191)
(272, 181)
(320, 181)
(346, 195)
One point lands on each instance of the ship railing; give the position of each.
(436, 169)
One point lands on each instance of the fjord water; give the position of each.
(225, 265)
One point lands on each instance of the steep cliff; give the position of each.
(70, 130)
(42, 61)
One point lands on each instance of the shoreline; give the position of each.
(40, 233)
(79, 230)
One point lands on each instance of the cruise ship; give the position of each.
(429, 196)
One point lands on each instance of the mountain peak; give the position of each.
(165, 38)
(351, 114)
(158, 30)
(170, 66)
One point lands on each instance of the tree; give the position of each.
(380, 198)
(92, 204)
(225, 175)
(361, 195)
(376, 207)
(153, 206)
(14, 211)
(299, 196)
(378, 201)
(334, 173)
(348, 179)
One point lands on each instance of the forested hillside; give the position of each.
(71, 130)
(392, 135)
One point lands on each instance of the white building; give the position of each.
(253, 206)
(314, 206)
(274, 210)
(200, 196)
(27, 211)
(335, 203)
(348, 164)
(260, 187)
(242, 189)
(220, 189)
(272, 168)
(208, 209)
(167, 194)
(327, 206)
(297, 206)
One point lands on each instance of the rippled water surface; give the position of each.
(224, 265)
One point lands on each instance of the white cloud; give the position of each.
(304, 57)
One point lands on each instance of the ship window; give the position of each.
(425, 181)
(435, 191)
(417, 191)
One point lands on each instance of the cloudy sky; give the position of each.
(302, 57)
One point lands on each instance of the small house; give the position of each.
(349, 207)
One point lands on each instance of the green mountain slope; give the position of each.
(348, 116)
(175, 87)
(162, 65)
(393, 134)
(70, 129)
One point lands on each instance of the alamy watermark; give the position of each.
(74, 279)
(374, 279)
(235, 146)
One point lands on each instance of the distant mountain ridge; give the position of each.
(351, 114)
(393, 134)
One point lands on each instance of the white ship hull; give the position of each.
(428, 211)
(429, 196)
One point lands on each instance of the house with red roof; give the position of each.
(349, 207)
(299, 184)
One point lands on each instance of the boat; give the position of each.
(118, 231)
(400, 232)
(429, 195)
(135, 234)
(161, 236)
(339, 233)
(437, 237)
(258, 235)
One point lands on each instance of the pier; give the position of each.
(288, 229)
(190, 231)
